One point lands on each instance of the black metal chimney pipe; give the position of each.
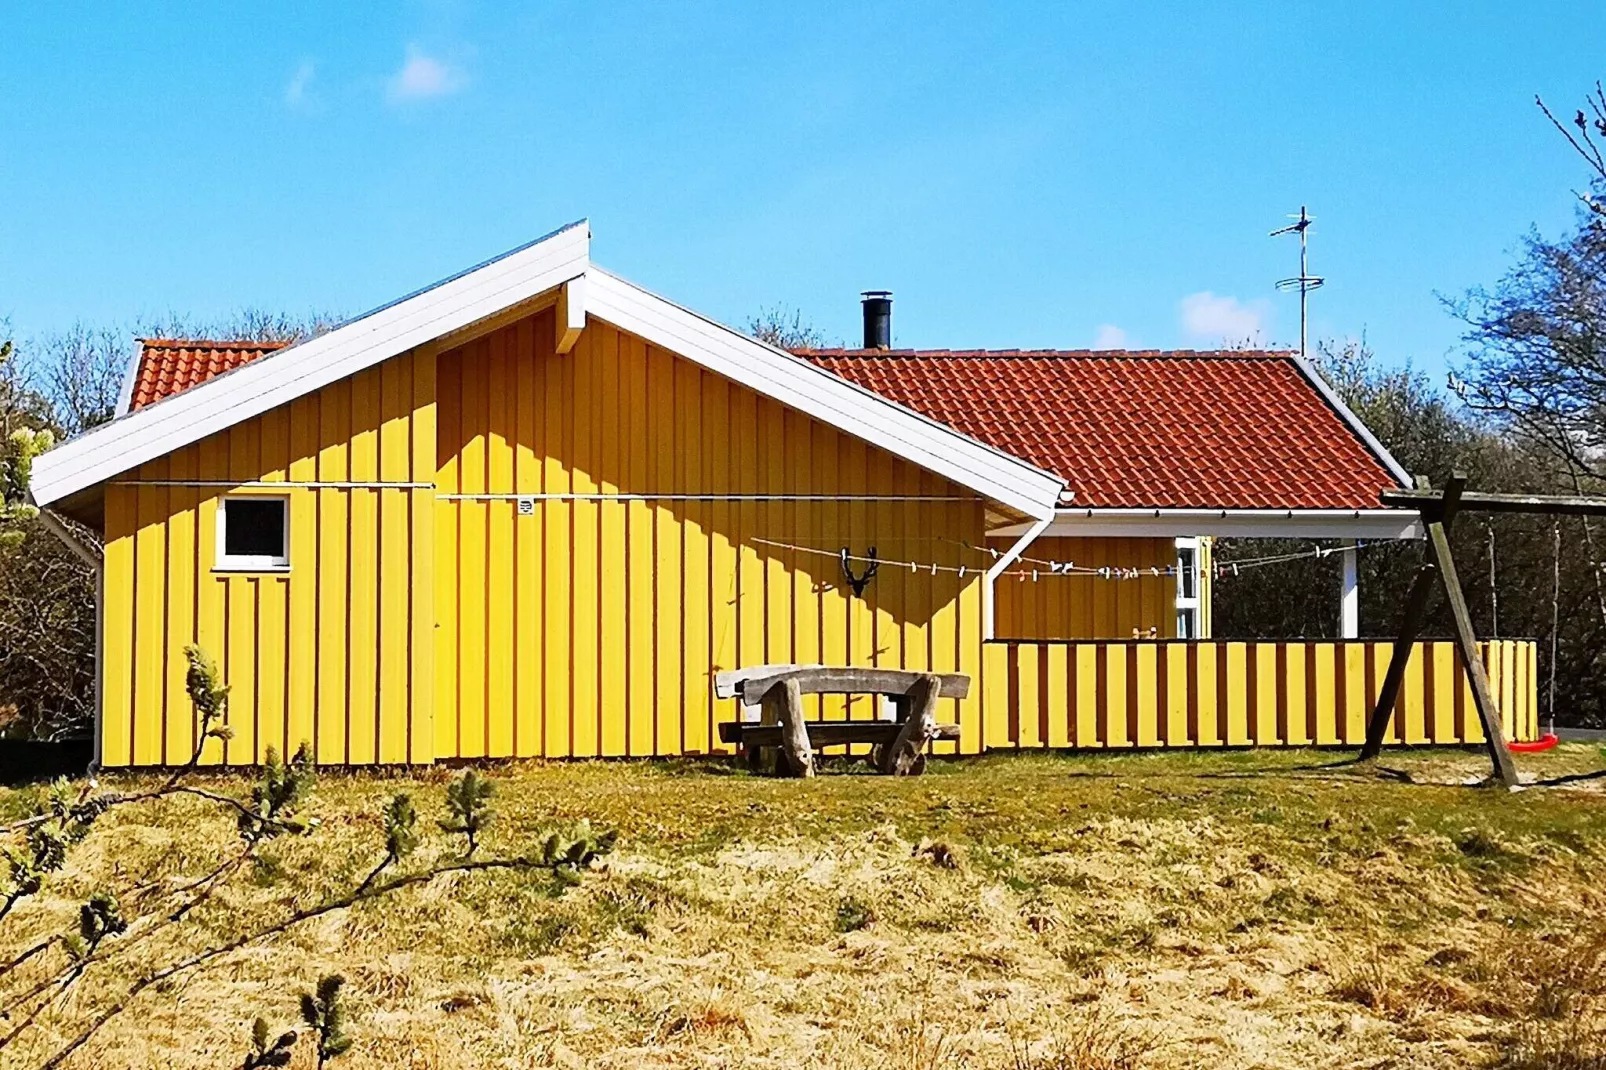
(877, 319)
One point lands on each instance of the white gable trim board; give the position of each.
(801, 385)
(558, 262)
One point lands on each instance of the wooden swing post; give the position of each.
(1438, 510)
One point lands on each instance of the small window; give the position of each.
(1188, 588)
(253, 534)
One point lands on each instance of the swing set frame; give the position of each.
(1438, 509)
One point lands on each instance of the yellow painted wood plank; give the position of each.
(1324, 693)
(718, 479)
(421, 550)
(1414, 692)
(1116, 695)
(1028, 663)
(1236, 666)
(663, 580)
(887, 591)
(394, 575)
(528, 544)
(272, 633)
(995, 695)
(696, 631)
(829, 532)
(591, 395)
(239, 667)
(1265, 697)
(639, 542)
(1295, 692)
(212, 464)
(1060, 699)
(1148, 694)
(117, 615)
(150, 599)
(179, 741)
(302, 698)
(1357, 699)
(500, 517)
(1212, 729)
(971, 714)
(362, 664)
(1089, 703)
(613, 609)
(556, 666)
(1175, 656)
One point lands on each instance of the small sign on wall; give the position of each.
(526, 506)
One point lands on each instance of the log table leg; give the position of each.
(787, 698)
(906, 755)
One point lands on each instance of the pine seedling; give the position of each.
(97, 919)
(275, 795)
(209, 693)
(268, 1050)
(325, 1014)
(566, 857)
(468, 802)
(401, 832)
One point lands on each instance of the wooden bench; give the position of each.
(782, 737)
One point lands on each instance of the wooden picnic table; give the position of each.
(775, 693)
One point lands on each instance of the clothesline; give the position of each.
(1048, 568)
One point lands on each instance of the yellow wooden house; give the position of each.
(533, 509)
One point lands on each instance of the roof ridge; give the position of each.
(212, 343)
(1046, 354)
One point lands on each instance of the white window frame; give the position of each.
(227, 562)
(1188, 607)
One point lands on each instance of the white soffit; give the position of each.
(800, 385)
(1231, 523)
(281, 377)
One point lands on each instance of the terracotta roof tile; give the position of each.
(1228, 430)
(169, 366)
(1184, 429)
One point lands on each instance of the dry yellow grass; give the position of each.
(1184, 910)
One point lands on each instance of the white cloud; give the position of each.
(1109, 336)
(1223, 319)
(422, 77)
(298, 91)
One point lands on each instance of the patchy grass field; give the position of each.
(1250, 909)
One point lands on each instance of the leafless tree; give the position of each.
(785, 328)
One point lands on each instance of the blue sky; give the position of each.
(1019, 174)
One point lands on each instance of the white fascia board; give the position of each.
(1231, 523)
(801, 385)
(125, 393)
(281, 377)
(1364, 433)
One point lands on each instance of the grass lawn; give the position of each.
(1243, 909)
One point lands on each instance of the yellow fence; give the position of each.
(1224, 694)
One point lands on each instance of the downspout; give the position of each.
(1009, 557)
(97, 562)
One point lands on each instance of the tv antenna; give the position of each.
(1304, 282)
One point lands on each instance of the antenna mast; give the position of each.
(1304, 282)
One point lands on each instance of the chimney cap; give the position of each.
(870, 295)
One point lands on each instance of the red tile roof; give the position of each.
(1227, 430)
(168, 366)
(1211, 430)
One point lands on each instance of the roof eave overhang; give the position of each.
(1231, 523)
(455, 309)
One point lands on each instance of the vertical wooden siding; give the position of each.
(1209, 694)
(336, 651)
(594, 625)
(1089, 607)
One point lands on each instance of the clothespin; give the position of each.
(1034, 575)
(913, 566)
(934, 568)
(961, 571)
(1235, 568)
